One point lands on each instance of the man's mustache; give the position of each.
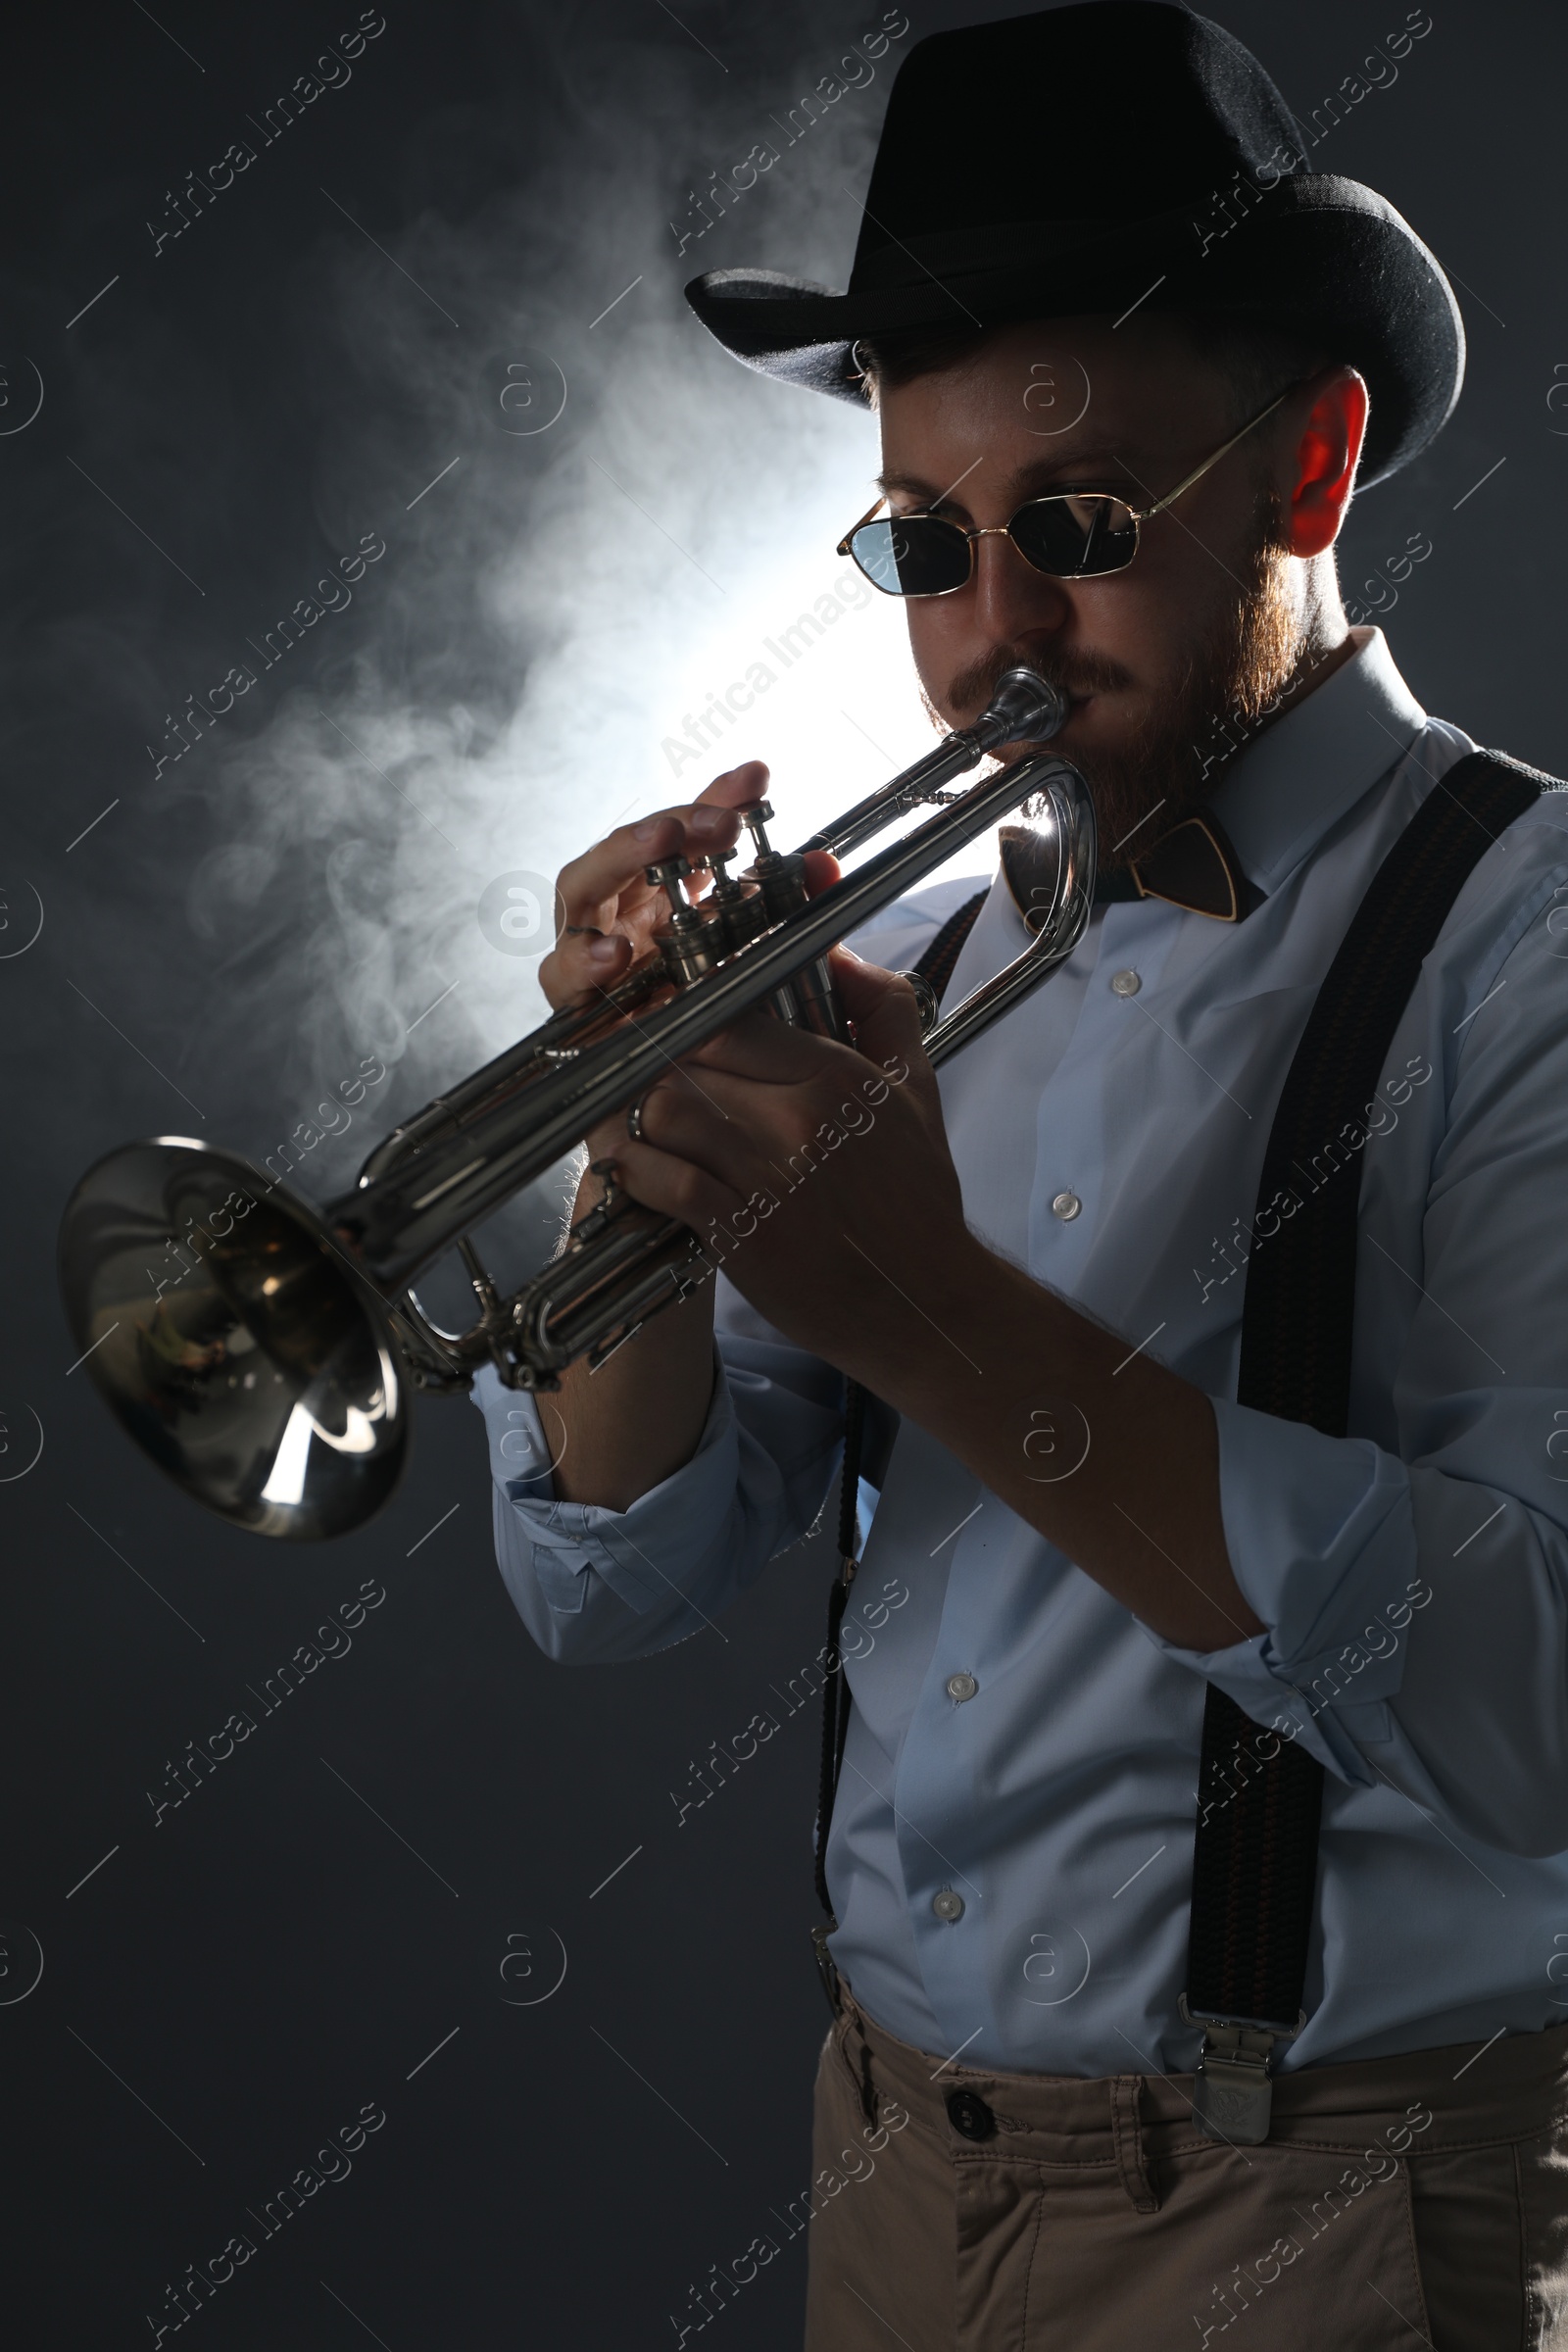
(1071, 673)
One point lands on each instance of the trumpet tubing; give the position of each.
(266, 1367)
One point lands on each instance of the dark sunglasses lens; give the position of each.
(1073, 538)
(911, 554)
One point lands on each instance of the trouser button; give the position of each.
(968, 2113)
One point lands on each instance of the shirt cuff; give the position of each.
(568, 1540)
(1321, 1539)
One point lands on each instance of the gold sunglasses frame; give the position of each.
(1004, 530)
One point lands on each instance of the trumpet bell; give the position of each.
(232, 1340)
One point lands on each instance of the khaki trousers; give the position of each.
(1421, 2198)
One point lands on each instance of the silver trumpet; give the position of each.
(262, 1350)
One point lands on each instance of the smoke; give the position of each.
(593, 522)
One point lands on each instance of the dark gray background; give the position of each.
(232, 1984)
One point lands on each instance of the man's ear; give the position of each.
(1325, 460)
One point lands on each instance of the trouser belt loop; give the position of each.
(869, 2090)
(1127, 2133)
(850, 2037)
(827, 1973)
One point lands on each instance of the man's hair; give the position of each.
(1254, 361)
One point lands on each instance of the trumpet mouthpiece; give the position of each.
(1025, 708)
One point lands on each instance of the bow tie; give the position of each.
(1192, 867)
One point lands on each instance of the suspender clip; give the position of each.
(1232, 2092)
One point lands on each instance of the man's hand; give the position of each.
(820, 1177)
(606, 913)
(615, 1433)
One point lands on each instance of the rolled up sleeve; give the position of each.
(1322, 1543)
(1415, 1593)
(597, 1586)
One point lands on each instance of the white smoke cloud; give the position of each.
(556, 608)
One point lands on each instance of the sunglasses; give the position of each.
(1068, 534)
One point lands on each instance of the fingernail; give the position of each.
(711, 820)
(603, 951)
(649, 830)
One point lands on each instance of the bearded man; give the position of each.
(1195, 1859)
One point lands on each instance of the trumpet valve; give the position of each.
(694, 941)
(739, 904)
(670, 875)
(779, 876)
(756, 818)
(780, 880)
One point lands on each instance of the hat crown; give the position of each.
(1085, 160)
(1110, 111)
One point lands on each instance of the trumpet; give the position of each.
(268, 1369)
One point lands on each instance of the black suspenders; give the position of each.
(1255, 1861)
(1254, 1858)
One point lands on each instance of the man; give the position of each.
(1038, 1270)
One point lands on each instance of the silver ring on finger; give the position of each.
(634, 1123)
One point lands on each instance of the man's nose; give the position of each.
(1012, 598)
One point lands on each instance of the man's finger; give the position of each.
(867, 989)
(759, 1047)
(736, 786)
(589, 887)
(583, 964)
(694, 827)
(752, 1139)
(882, 1005)
(676, 1188)
(603, 896)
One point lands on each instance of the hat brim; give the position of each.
(1319, 256)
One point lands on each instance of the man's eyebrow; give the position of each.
(1081, 465)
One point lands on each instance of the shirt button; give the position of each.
(1125, 984)
(1066, 1206)
(961, 1686)
(947, 1905)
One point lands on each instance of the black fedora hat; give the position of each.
(1089, 158)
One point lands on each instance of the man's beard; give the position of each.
(1230, 679)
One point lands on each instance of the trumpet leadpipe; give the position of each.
(398, 1224)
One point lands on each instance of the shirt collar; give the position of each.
(1280, 795)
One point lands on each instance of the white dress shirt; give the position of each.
(1018, 1739)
